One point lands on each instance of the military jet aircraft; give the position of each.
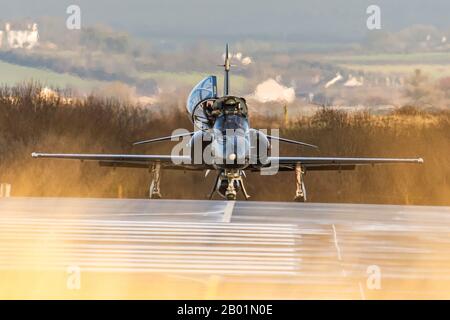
(222, 131)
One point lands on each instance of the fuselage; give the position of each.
(230, 146)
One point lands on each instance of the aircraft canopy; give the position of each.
(205, 89)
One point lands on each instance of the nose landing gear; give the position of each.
(228, 184)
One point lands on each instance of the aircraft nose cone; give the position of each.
(230, 151)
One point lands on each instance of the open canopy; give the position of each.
(205, 89)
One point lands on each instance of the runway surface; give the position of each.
(115, 248)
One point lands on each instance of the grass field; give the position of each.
(435, 71)
(191, 78)
(11, 74)
(393, 58)
(434, 64)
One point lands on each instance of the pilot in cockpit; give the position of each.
(225, 106)
(229, 105)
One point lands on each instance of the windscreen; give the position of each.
(232, 122)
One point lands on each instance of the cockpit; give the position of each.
(208, 111)
(226, 113)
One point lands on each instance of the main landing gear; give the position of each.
(154, 191)
(300, 193)
(228, 183)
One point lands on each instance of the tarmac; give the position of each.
(196, 249)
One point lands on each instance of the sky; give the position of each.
(321, 20)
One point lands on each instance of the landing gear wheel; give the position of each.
(155, 195)
(228, 184)
(230, 192)
(231, 196)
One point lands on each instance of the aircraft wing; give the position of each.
(127, 160)
(330, 163)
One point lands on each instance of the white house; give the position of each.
(15, 39)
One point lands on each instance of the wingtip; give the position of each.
(34, 155)
(420, 160)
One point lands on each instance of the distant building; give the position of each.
(354, 82)
(15, 39)
(271, 90)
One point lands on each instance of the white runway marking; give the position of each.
(336, 244)
(228, 211)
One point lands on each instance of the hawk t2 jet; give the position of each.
(224, 142)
